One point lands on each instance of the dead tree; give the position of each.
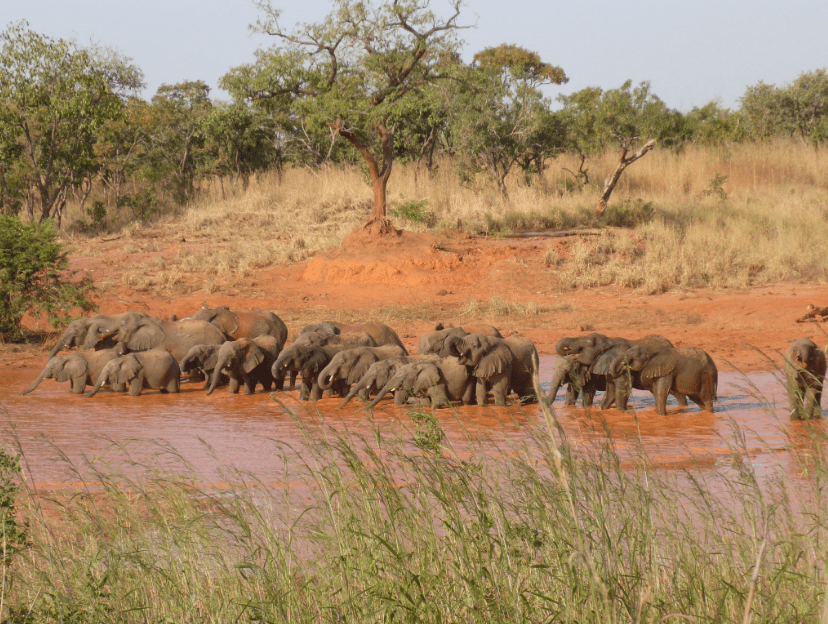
(623, 163)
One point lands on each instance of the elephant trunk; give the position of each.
(37, 382)
(214, 380)
(385, 390)
(326, 378)
(61, 343)
(618, 366)
(98, 384)
(182, 365)
(557, 382)
(354, 391)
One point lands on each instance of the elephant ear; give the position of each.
(661, 364)
(452, 346)
(603, 365)
(359, 369)
(128, 369)
(210, 358)
(427, 378)
(226, 321)
(315, 362)
(493, 363)
(73, 367)
(146, 337)
(254, 357)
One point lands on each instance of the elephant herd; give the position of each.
(136, 351)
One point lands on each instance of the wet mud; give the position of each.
(54, 428)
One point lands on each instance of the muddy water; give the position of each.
(53, 427)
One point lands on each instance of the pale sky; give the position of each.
(692, 52)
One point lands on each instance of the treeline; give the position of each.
(382, 86)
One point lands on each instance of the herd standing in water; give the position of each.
(134, 351)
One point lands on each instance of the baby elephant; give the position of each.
(246, 361)
(662, 370)
(155, 369)
(804, 373)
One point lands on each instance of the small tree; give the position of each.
(32, 276)
(501, 118)
(352, 71)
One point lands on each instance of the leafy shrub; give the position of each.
(630, 213)
(714, 188)
(97, 216)
(415, 211)
(32, 266)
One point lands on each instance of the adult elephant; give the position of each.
(433, 342)
(500, 364)
(350, 365)
(246, 361)
(378, 375)
(246, 324)
(307, 360)
(141, 332)
(804, 376)
(689, 371)
(80, 368)
(94, 332)
(380, 332)
(442, 381)
(155, 369)
(348, 340)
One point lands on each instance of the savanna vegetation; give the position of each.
(412, 527)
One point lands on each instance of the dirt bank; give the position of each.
(414, 279)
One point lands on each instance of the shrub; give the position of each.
(32, 272)
(415, 211)
(630, 213)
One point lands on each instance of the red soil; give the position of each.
(412, 280)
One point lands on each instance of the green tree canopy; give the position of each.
(54, 97)
(352, 71)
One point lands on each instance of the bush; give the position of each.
(32, 271)
(630, 213)
(415, 211)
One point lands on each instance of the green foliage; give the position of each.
(500, 118)
(55, 96)
(429, 435)
(713, 125)
(415, 210)
(13, 536)
(630, 213)
(97, 219)
(714, 188)
(32, 266)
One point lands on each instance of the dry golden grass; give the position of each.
(769, 228)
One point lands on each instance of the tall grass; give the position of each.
(403, 527)
(730, 216)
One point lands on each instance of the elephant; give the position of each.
(248, 324)
(347, 340)
(141, 332)
(689, 371)
(499, 364)
(202, 359)
(378, 375)
(441, 380)
(380, 332)
(81, 368)
(155, 369)
(308, 360)
(804, 375)
(85, 333)
(247, 361)
(350, 365)
(588, 348)
(578, 380)
(433, 342)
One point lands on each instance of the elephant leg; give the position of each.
(571, 394)
(136, 384)
(500, 389)
(795, 399)
(661, 388)
(249, 384)
(438, 396)
(78, 385)
(589, 396)
(468, 393)
(315, 392)
(118, 387)
(234, 384)
(811, 408)
(681, 398)
(400, 397)
(304, 392)
(293, 375)
(622, 393)
(267, 383)
(174, 385)
(609, 395)
(481, 393)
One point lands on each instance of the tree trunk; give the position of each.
(379, 223)
(623, 162)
